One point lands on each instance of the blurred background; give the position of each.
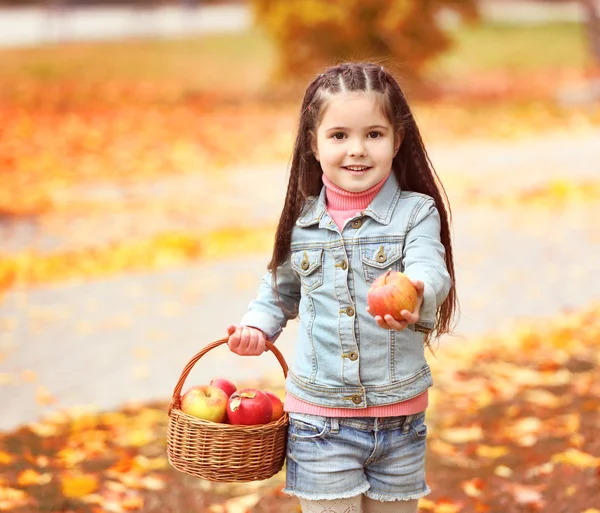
(144, 151)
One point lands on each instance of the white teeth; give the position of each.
(356, 168)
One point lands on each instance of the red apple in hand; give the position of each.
(277, 406)
(391, 293)
(249, 406)
(224, 384)
(205, 402)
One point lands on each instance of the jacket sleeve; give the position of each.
(424, 256)
(275, 304)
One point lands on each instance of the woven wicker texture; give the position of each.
(224, 452)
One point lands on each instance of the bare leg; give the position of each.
(351, 505)
(373, 506)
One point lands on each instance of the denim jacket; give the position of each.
(343, 359)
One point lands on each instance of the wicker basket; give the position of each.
(224, 452)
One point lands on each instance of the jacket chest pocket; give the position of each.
(308, 264)
(377, 258)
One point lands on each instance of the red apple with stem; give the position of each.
(224, 384)
(391, 293)
(249, 406)
(205, 402)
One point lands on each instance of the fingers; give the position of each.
(389, 323)
(410, 317)
(258, 342)
(244, 347)
(394, 324)
(246, 341)
(234, 338)
(253, 342)
(420, 286)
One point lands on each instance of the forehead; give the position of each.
(353, 109)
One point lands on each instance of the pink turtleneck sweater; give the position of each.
(342, 205)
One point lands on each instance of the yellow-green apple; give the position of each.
(277, 406)
(205, 402)
(249, 406)
(391, 293)
(224, 384)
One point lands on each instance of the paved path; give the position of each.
(170, 204)
(127, 338)
(34, 26)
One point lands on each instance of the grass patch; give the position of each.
(244, 61)
(493, 46)
(213, 62)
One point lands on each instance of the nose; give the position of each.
(357, 149)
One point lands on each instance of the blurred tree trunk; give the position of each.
(593, 28)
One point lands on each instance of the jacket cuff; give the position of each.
(423, 329)
(428, 309)
(264, 322)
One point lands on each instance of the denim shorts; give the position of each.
(335, 457)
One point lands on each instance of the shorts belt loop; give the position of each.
(406, 425)
(335, 425)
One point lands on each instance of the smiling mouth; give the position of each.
(357, 168)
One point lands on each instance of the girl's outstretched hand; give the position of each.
(389, 323)
(246, 341)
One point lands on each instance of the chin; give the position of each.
(360, 186)
(357, 188)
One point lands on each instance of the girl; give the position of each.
(362, 198)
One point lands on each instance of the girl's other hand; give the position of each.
(389, 323)
(246, 341)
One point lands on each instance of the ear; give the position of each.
(398, 139)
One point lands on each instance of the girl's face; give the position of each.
(355, 143)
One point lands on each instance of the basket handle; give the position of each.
(176, 400)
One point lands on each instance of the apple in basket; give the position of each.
(277, 406)
(205, 402)
(224, 384)
(249, 406)
(391, 293)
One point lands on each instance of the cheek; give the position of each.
(332, 154)
(386, 152)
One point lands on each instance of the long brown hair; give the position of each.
(411, 166)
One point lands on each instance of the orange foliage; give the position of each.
(57, 134)
(161, 251)
(514, 423)
(485, 422)
(58, 137)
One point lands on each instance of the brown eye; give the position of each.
(375, 135)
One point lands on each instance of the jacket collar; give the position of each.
(380, 209)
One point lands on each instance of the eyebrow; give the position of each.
(372, 127)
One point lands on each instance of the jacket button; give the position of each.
(353, 356)
(349, 311)
(344, 265)
(356, 399)
(356, 223)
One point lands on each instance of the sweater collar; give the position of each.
(380, 208)
(341, 199)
